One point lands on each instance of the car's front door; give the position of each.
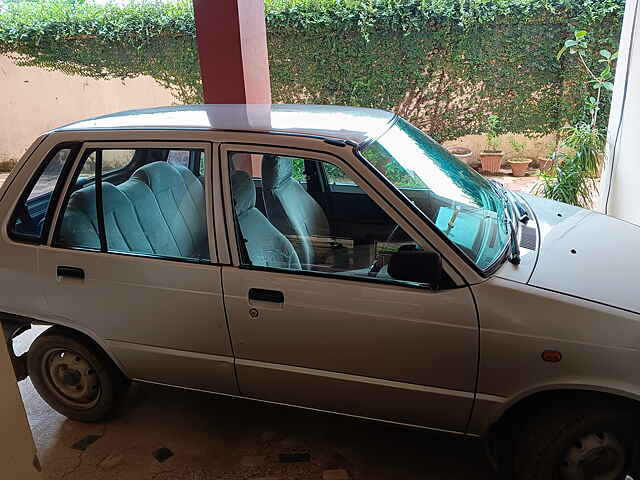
(132, 261)
(339, 333)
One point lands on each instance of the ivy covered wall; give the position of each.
(443, 64)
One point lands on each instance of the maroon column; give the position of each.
(232, 46)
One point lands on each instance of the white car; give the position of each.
(329, 258)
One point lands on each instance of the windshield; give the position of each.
(461, 203)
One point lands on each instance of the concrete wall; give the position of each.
(17, 450)
(621, 179)
(33, 100)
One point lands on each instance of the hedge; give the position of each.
(445, 65)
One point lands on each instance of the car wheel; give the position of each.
(74, 376)
(577, 444)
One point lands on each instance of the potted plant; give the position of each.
(491, 158)
(463, 153)
(519, 164)
(551, 154)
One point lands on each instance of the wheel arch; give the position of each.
(65, 330)
(498, 436)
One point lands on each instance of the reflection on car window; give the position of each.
(30, 213)
(335, 175)
(460, 202)
(283, 225)
(151, 208)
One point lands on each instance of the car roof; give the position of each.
(352, 124)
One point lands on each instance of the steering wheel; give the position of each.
(391, 238)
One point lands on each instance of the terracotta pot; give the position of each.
(463, 153)
(519, 166)
(491, 161)
(545, 163)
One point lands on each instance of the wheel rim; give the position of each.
(596, 456)
(71, 378)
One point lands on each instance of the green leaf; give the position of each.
(606, 54)
(608, 86)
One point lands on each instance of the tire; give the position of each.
(573, 442)
(74, 376)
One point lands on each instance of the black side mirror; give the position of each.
(416, 266)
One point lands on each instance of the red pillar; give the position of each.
(232, 46)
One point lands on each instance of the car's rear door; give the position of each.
(334, 336)
(141, 287)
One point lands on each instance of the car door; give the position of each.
(333, 335)
(132, 261)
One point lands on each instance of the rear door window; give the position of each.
(33, 212)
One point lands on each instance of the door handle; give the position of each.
(263, 295)
(71, 272)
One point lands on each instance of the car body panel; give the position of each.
(389, 352)
(586, 254)
(351, 335)
(355, 125)
(599, 345)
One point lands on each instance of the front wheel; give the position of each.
(74, 376)
(574, 443)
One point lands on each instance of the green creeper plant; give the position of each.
(442, 64)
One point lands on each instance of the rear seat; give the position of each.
(160, 210)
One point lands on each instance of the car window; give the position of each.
(31, 212)
(336, 177)
(154, 209)
(294, 231)
(115, 159)
(179, 157)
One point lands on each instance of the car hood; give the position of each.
(586, 254)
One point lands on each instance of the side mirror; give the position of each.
(416, 266)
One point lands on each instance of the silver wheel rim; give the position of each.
(71, 378)
(596, 456)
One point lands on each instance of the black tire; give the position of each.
(561, 440)
(60, 357)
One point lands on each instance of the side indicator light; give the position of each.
(552, 356)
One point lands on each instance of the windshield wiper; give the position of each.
(513, 239)
(510, 220)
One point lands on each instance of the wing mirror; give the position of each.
(416, 266)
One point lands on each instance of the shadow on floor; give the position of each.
(198, 436)
(162, 433)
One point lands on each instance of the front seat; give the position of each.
(264, 244)
(290, 207)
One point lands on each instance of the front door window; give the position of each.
(282, 223)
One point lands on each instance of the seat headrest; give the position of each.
(244, 191)
(158, 175)
(275, 171)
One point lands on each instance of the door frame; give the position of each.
(411, 225)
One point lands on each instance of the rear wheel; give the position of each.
(74, 376)
(577, 444)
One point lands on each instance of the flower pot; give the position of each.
(519, 166)
(491, 161)
(545, 163)
(463, 153)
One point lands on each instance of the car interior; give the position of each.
(330, 226)
(151, 206)
(292, 213)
